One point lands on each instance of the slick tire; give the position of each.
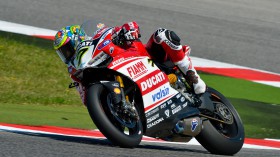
(214, 140)
(95, 106)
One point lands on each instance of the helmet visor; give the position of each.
(66, 52)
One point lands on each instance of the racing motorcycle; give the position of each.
(129, 95)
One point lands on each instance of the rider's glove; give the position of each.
(130, 31)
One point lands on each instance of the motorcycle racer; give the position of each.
(163, 45)
(65, 46)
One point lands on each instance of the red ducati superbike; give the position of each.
(129, 95)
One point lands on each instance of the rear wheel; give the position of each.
(122, 132)
(226, 136)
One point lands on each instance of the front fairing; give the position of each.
(90, 41)
(83, 56)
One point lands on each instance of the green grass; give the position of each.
(32, 73)
(261, 120)
(52, 115)
(34, 91)
(242, 89)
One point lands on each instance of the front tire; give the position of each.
(218, 138)
(97, 105)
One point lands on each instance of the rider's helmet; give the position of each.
(65, 41)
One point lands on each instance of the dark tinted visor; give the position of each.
(67, 51)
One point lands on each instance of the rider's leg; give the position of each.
(167, 41)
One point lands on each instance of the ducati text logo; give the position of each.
(137, 70)
(160, 94)
(152, 81)
(83, 44)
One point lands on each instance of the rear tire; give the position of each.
(105, 122)
(223, 139)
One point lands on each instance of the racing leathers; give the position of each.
(165, 45)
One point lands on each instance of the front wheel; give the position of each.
(99, 107)
(222, 138)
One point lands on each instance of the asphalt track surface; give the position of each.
(242, 32)
(37, 145)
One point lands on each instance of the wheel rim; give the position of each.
(224, 113)
(119, 116)
(128, 127)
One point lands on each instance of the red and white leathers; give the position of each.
(165, 44)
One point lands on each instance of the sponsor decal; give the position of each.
(152, 112)
(185, 104)
(111, 50)
(118, 61)
(152, 118)
(84, 43)
(137, 70)
(160, 94)
(104, 43)
(155, 122)
(177, 109)
(169, 43)
(173, 106)
(169, 102)
(167, 113)
(152, 81)
(163, 106)
(194, 124)
(183, 99)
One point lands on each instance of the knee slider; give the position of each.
(173, 37)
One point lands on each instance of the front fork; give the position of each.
(128, 107)
(124, 97)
